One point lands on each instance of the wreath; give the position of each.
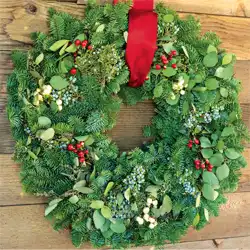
(66, 92)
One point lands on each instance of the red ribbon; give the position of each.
(142, 40)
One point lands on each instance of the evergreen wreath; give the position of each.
(65, 93)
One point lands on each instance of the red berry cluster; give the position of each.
(79, 150)
(165, 60)
(203, 165)
(195, 141)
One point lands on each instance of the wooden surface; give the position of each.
(22, 222)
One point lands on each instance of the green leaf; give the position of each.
(58, 83)
(100, 28)
(167, 205)
(92, 176)
(224, 73)
(153, 190)
(158, 90)
(222, 172)
(168, 47)
(97, 204)
(170, 101)
(118, 227)
(185, 108)
(73, 199)
(119, 198)
(211, 179)
(227, 59)
(44, 122)
(233, 116)
(227, 131)
(191, 84)
(84, 190)
(185, 51)
(217, 159)
(210, 60)
(211, 48)
(168, 18)
(72, 48)
(134, 207)
(224, 92)
(127, 194)
(232, 154)
(209, 193)
(47, 134)
(80, 37)
(62, 50)
(106, 226)
(81, 183)
(206, 214)
(205, 142)
(220, 145)
(89, 141)
(169, 71)
(82, 137)
(39, 59)
(52, 205)
(198, 200)
(89, 223)
(108, 188)
(196, 220)
(198, 78)
(55, 201)
(98, 219)
(107, 234)
(125, 35)
(32, 155)
(57, 45)
(211, 84)
(35, 74)
(206, 153)
(106, 212)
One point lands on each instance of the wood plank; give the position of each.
(33, 232)
(222, 7)
(11, 189)
(234, 31)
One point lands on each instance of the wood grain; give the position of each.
(222, 7)
(33, 232)
(11, 190)
(22, 17)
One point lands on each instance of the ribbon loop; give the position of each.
(142, 40)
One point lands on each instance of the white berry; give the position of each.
(182, 92)
(146, 210)
(151, 226)
(146, 217)
(151, 220)
(155, 203)
(149, 201)
(59, 102)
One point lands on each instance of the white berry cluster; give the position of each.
(146, 217)
(39, 94)
(180, 86)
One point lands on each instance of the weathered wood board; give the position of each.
(22, 222)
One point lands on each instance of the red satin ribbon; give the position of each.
(142, 40)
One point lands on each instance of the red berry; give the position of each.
(197, 167)
(164, 67)
(174, 66)
(90, 47)
(165, 61)
(81, 159)
(78, 145)
(77, 42)
(163, 58)
(209, 170)
(173, 53)
(75, 54)
(70, 147)
(170, 57)
(86, 151)
(84, 43)
(81, 154)
(75, 151)
(81, 143)
(207, 161)
(190, 145)
(73, 71)
(147, 78)
(157, 66)
(190, 141)
(203, 166)
(197, 162)
(196, 141)
(210, 166)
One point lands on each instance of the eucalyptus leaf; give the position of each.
(222, 172)
(107, 234)
(108, 188)
(35, 74)
(211, 179)
(168, 47)
(44, 122)
(168, 18)
(39, 59)
(224, 92)
(97, 204)
(118, 227)
(212, 48)
(211, 59)
(48, 134)
(127, 194)
(73, 199)
(224, 73)
(169, 71)
(119, 198)
(220, 145)
(90, 140)
(209, 193)
(82, 138)
(80, 37)
(58, 44)
(216, 159)
(106, 212)
(205, 142)
(227, 131)
(172, 102)
(72, 48)
(211, 84)
(196, 220)
(166, 206)
(81, 183)
(106, 226)
(58, 83)
(207, 152)
(227, 59)
(232, 154)
(84, 190)
(158, 90)
(98, 219)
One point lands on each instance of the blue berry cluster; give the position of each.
(188, 188)
(27, 130)
(191, 121)
(207, 117)
(122, 210)
(62, 146)
(135, 180)
(55, 95)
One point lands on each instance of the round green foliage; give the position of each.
(66, 93)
